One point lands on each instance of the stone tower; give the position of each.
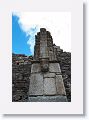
(46, 82)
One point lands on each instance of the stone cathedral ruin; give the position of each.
(40, 78)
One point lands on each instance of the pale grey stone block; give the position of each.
(49, 86)
(54, 67)
(35, 68)
(60, 85)
(43, 52)
(36, 84)
(59, 98)
(43, 47)
(49, 75)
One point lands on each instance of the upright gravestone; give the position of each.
(46, 82)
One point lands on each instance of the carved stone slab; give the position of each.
(49, 86)
(35, 68)
(36, 84)
(54, 67)
(60, 85)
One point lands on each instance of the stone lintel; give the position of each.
(54, 67)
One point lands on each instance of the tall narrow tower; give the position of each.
(46, 82)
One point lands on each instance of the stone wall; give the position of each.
(21, 69)
(64, 59)
(45, 84)
(21, 66)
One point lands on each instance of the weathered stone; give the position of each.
(35, 68)
(58, 73)
(45, 53)
(54, 67)
(44, 65)
(60, 85)
(59, 98)
(36, 84)
(51, 56)
(49, 86)
(49, 75)
(44, 45)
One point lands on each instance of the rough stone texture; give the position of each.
(39, 84)
(21, 66)
(44, 64)
(64, 59)
(48, 99)
(54, 67)
(36, 84)
(21, 69)
(49, 75)
(60, 85)
(35, 68)
(49, 86)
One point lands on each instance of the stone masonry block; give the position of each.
(58, 98)
(35, 68)
(60, 85)
(54, 67)
(49, 86)
(36, 84)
